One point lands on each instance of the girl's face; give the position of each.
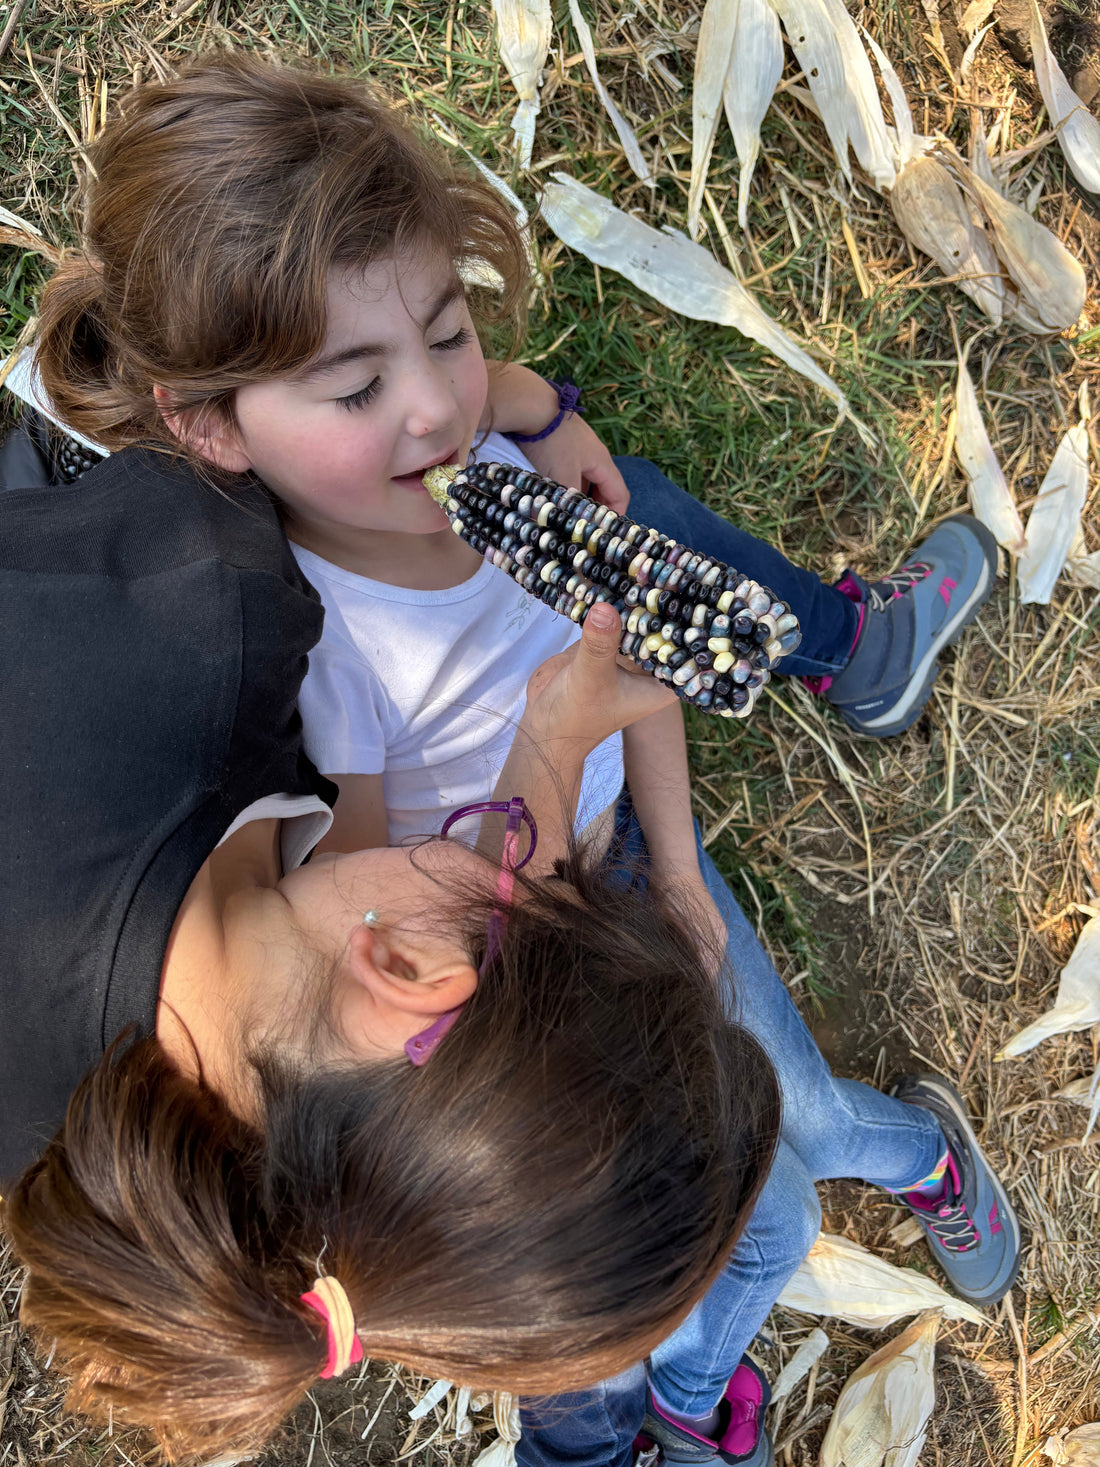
(398, 386)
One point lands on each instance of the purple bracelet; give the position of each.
(569, 397)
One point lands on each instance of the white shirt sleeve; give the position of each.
(344, 714)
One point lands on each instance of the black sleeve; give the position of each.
(154, 632)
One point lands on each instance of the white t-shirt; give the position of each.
(426, 687)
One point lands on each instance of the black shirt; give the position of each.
(153, 637)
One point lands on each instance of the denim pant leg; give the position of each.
(827, 618)
(831, 1128)
(594, 1428)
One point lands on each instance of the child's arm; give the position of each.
(575, 701)
(521, 402)
(655, 757)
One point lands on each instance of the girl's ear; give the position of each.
(407, 979)
(210, 434)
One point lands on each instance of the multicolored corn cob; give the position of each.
(691, 621)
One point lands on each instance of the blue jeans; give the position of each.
(828, 619)
(831, 1128)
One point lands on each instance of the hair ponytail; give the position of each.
(152, 1266)
(78, 359)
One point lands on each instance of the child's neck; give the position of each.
(416, 562)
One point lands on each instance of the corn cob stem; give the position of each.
(691, 621)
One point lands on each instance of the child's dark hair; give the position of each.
(531, 1210)
(223, 200)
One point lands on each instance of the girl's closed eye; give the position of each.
(462, 337)
(361, 398)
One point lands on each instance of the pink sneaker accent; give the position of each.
(994, 1220)
(947, 585)
(819, 684)
(932, 1204)
(745, 1396)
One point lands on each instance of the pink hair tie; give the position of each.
(328, 1299)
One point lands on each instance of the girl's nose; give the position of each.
(433, 403)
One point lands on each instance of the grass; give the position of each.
(921, 894)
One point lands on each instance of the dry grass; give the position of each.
(920, 894)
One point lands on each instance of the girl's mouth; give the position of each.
(414, 482)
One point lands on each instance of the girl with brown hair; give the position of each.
(274, 288)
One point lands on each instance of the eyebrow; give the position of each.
(333, 361)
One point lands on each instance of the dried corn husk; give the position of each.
(1083, 569)
(681, 275)
(749, 86)
(1078, 131)
(903, 137)
(990, 497)
(881, 1414)
(1085, 1091)
(1077, 1002)
(815, 45)
(523, 27)
(712, 61)
(1077, 1448)
(1055, 518)
(932, 214)
(430, 1399)
(866, 124)
(1051, 282)
(839, 1278)
(634, 155)
(801, 1362)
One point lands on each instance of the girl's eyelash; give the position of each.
(367, 394)
(361, 398)
(462, 337)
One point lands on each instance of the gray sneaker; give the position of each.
(905, 622)
(741, 1439)
(972, 1230)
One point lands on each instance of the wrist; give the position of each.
(568, 397)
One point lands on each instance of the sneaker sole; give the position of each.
(953, 1101)
(909, 706)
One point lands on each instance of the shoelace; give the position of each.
(953, 1227)
(897, 583)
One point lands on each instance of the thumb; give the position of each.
(601, 634)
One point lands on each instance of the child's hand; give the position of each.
(588, 693)
(573, 455)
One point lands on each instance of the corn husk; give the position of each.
(1050, 281)
(932, 213)
(903, 136)
(881, 1415)
(749, 86)
(712, 61)
(990, 497)
(1077, 1448)
(815, 45)
(1055, 518)
(839, 1278)
(634, 155)
(800, 1364)
(681, 275)
(1077, 1002)
(866, 124)
(1078, 131)
(1086, 1092)
(523, 29)
(1083, 569)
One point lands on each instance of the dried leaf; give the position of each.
(1077, 1002)
(1077, 1448)
(749, 86)
(990, 497)
(500, 1453)
(1085, 1091)
(1055, 519)
(906, 145)
(932, 214)
(13, 221)
(815, 45)
(712, 61)
(1050, 280)
(523, 29)
(970, 53)
(681, 275)
(976, 14)
(1078, 131)
(1084, 570)
(882, 1412)
(430, 1399)
(839, 1278)
(801, 1362)
(634, 155)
